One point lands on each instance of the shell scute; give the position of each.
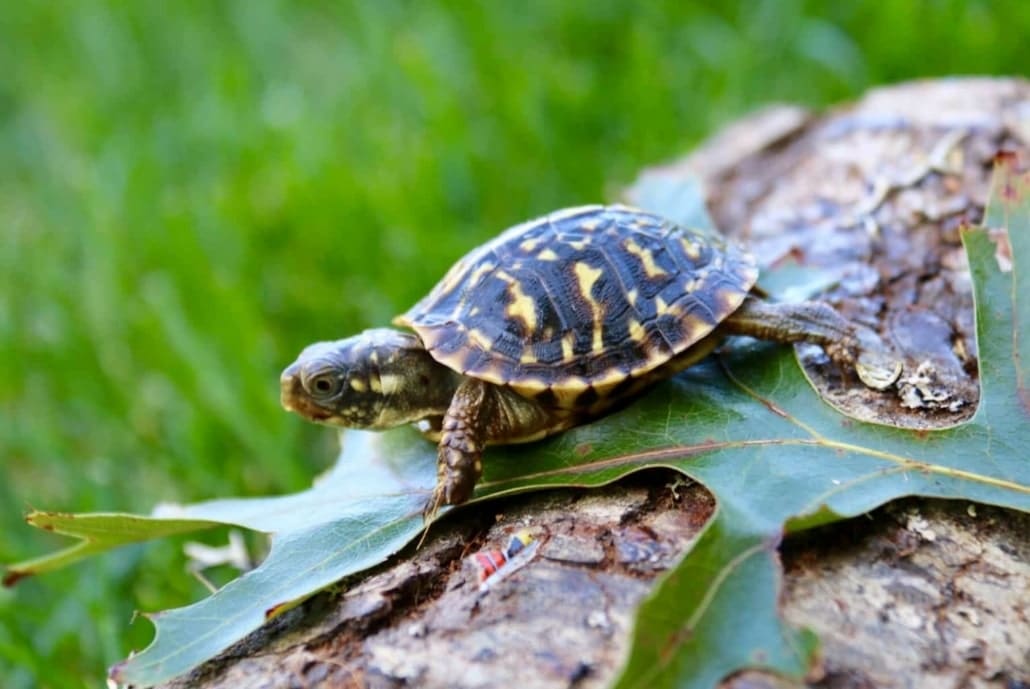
(581, 300)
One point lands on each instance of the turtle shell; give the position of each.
(581, 298)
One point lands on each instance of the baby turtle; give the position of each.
(554, 323)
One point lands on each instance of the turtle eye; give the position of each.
(323, 385)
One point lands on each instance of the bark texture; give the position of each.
(919, 594)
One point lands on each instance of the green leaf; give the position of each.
(699, 624)
(748, 426)
(364, 510)
(98, 532)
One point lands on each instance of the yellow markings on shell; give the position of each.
(474, 279)
(528, 357)
(660, 306)
(530, 385)
(587, 276)
(605, 382)
(694, 328)
(528, 245)
(547, 255)
(478, 274)
(479, 339)
(569, 391)
(567, 342)
(591, 224)
(374, 382)
(636, 331)
(358, 384)
(492, 372)
(577, 244)
(631, 296)
(691, 249)
(651, 268)
(453, 277)
(522, 306)
(730, 299)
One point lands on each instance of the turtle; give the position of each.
(555, 323)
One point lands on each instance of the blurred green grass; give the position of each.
(190, 192)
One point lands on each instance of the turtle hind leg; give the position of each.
(849, 344)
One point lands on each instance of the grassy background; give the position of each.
(191, 191)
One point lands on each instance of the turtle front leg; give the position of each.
(481, 413)
(459, 462)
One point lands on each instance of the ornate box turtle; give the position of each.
(554, 323)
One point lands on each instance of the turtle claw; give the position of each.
(877, 370)
(877, 366)
(430, 512)
(432, 507)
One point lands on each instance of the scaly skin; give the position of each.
(382, 378)
(848, 344)
(460, 450)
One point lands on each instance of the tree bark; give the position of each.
(922, 593)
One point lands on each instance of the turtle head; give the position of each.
(377, 379)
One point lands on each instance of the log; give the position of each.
(920, 593)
